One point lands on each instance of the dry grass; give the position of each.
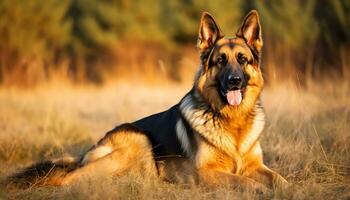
(307, 138)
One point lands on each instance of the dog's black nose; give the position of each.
(234, 82)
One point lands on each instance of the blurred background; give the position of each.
(95, 41)
(70, 70)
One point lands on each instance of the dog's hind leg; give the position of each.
(121, 152)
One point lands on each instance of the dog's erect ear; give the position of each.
(209, 32)
(250, 31)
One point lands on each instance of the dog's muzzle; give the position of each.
(232, 87)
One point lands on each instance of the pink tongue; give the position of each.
(234, 97)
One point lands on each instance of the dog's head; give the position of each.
(229, 76)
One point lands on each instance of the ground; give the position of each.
(306, 139)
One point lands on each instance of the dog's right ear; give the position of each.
(250, 31)
(209, 32)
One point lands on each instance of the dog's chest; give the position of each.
(222, 143)
(209, 156)
(247, 138)
(237, 138)
(225, 151)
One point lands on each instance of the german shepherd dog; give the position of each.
(211, 136)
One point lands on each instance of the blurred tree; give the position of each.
(36, 35)
(291, 24)
(181, 18)
(31, 30)
(334, 21)
(290, 33)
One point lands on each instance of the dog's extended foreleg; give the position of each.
(268, 177)
(218, 178)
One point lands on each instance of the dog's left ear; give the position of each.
(209, 32)
(250, 31)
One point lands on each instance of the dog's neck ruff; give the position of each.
(210, 126)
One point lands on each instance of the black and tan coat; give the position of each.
(211, 135)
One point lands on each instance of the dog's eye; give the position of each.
(242, 59)
(221, 59)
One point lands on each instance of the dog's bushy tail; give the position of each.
(49, 172)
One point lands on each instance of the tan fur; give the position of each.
(227, 137)
(233, 147)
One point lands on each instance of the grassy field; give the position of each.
(306, 139)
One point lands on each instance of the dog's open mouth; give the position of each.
(234, 97)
